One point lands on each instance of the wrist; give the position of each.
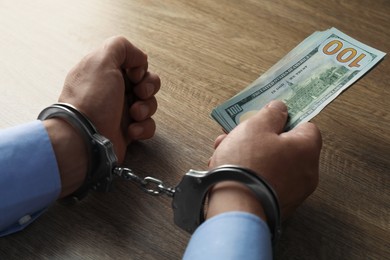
(233, 196)
(98, 156)
(70, 152)
(189, 199)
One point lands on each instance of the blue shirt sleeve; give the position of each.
(29, 176)
(232, 235)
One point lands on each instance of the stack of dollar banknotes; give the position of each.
(307, 79)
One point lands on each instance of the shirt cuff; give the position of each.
(232, 235)
(29, 176)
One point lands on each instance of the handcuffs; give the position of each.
(188, 197)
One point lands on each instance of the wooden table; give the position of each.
(205, 52)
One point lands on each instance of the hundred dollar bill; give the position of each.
(307, 79)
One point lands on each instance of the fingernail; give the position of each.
(149, 89)
(277, 104)
(141, 74)
(144, 111)
(136, 131)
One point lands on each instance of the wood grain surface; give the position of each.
(205, 52)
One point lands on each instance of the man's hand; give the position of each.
(95, 86)
(289, 161)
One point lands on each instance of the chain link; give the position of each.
(149, 185)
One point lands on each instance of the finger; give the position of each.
(137, 74)
(125, 55)
(148, 86)
(218, 140)
(142, 130)
(142, 110)
(271, 118)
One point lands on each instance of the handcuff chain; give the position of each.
(146, 184)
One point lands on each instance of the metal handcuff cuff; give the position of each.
(188, 197)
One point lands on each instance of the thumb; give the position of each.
(271, 118)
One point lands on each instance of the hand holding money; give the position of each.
(288, 161)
